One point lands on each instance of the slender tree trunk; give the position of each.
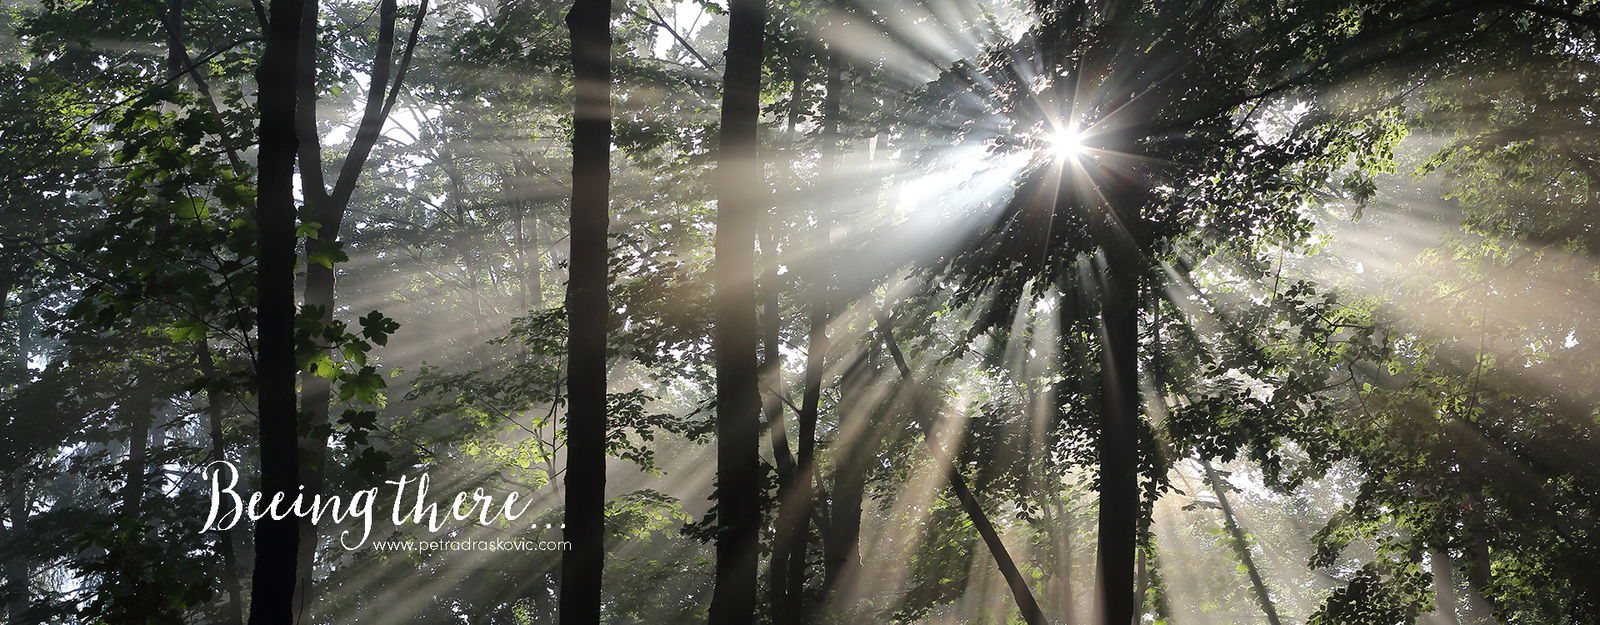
(1141, 584)
(859, 434)
(140, 414)
(735, 334)
(328, 208)
(1444, 588)
(316, 392)
(17, 574)
(129, 607)
(1240, 544)
(214, 415)
(17, 500)
(1478, 579)
(772, 356)
(511, 188)
(1021, 593)
(772, 403)
(587, 311)
(1069, 598)
(794, 516)
(535, 275)
(277, 541)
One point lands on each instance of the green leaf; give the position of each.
(362, 385)
(192, 208)
(326, 254)
(186, 330)
(377, 328)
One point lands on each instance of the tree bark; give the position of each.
(316, 392)
(214, 414)
(129, 607)
(1118, 446)
(772, 357)
(277, 541)
(734, 336)
(792, 540)
(859, 434)
(1240, 544)
(1021, 593)
(583, 564)
(140, 414)
(17, 573)
(17, 501)
(328, 208)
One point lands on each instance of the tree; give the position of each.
(735, 333)
(277, 540)
(588, 312)
(328, 207)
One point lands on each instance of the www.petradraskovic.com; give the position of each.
(471, 545)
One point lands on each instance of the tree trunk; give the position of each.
(214, 399)
(772, 402)
(794, 516)
(583, 564)
(277, 541)
(772, 356)
(130, 607)
(1141, 584)
(1478, 579)
(17, 574)
(328, 208)
(1118, 444)
(316, 392)
(735, 334)
(17, 501)
(1444, 588)
(140, 414)
(1240, 544)
(859, 434)
(1021, 593)
(526, 238)
(1058, 526)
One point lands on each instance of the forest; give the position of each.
(800, 312)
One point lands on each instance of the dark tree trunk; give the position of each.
(772, 357)
(17, 574)
(525, 234)
(17, 500)
(1021, 593)
(1118, 445)
(316, 392)
(214, 413)
(277, 541)
(587, 311)
(132, 607)
(140, 414)
(1241, 545)
(797, 503)
(1141, 584)
(735, 335)
(859, 434)
(328, 208)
